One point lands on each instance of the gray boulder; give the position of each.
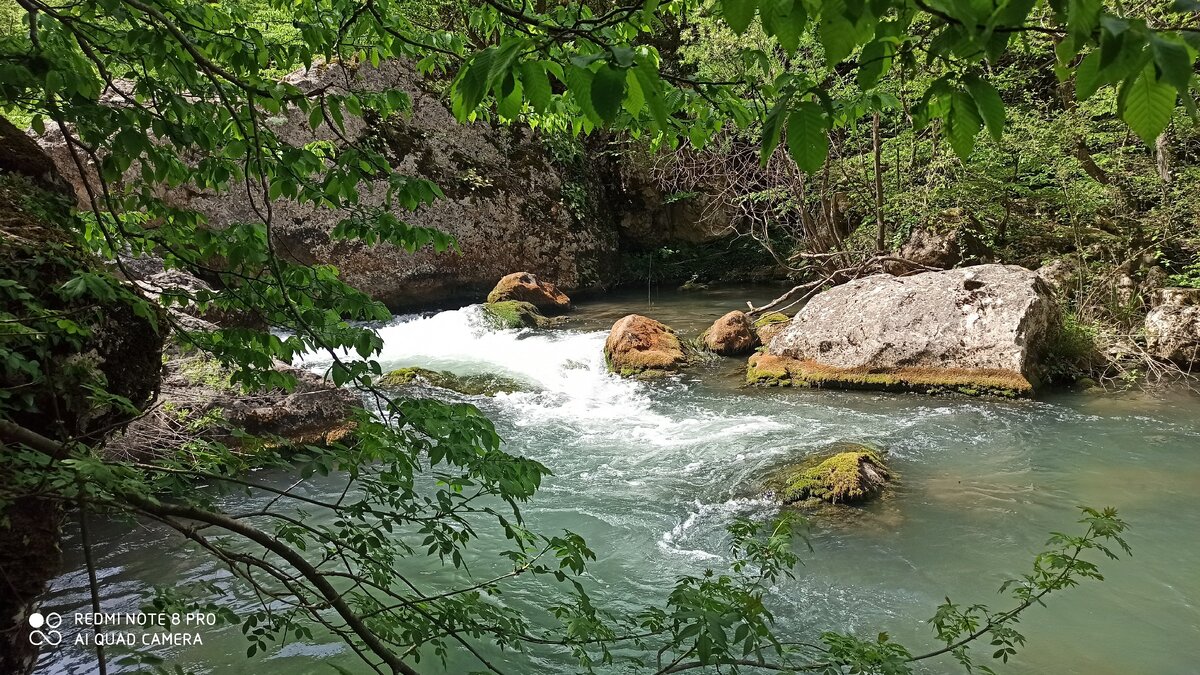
(981, 329)
(1173, 326)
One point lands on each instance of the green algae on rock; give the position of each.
(514, 314)
(850, 472)
(769, 370)
(470, 385)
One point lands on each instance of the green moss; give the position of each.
(853, 472)
(773, 317)
(203, 370)
(471, 385)
(768, 370)
(514, 314)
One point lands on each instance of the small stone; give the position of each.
(850, 473)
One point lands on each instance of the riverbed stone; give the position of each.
(640, 346)
(848, 473)
(983, 329)
(951, 238)
(731, 335)
(526, 287)
(1173, 326)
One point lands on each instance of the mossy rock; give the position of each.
(848, 473)
(770, 370)
(514, 314)
(471, 385)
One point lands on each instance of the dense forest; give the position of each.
(326, 340)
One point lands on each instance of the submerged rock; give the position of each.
(526, 287)
(983, 329)
(731, 335)
(514, 314)
(1173, 326)
(638, 345)
(471, 385)
(850, 473)
(768, 326)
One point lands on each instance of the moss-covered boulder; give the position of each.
(640, 346)
(471, 385)
(848, 473)
(526, 287)
(730, 335)
(514, 314)
(769, 325)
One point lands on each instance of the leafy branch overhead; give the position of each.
(606, 70)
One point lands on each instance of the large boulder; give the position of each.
(731, 335)
(508, 204)
(983, 329)
(1173, 326)
(526, 287)
(640, 346)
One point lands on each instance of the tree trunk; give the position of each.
(1162, 157)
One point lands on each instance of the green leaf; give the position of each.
(608, 90)
(649, 83)
(991, 107)
(785, 20)
(807, 137)
(738, 13)
(963, 123)
(838, 37)
(536, 85)
(1146, 104)
(1173, 61)
(874, 62)
(635, 100)
(772, 128)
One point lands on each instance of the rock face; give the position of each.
(950, 239)
(526, 287)
(639, 345)
(197, 401)
(731, 335)
(982, 329)
(1173, 326)
(848, 473)
(507, 204)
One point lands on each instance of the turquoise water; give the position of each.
(652, 473)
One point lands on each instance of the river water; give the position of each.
(652, 473)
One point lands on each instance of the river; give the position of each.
(652, 473)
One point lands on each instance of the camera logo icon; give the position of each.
(44, 633)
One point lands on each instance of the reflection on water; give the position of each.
(652, 473)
